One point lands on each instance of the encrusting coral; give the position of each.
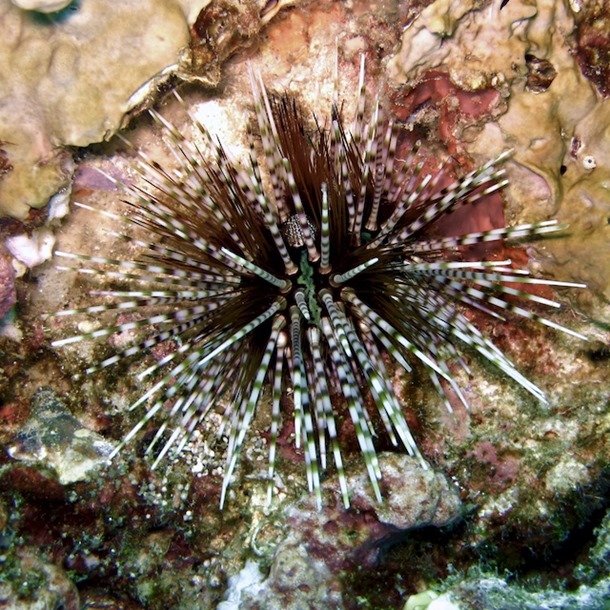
(558, 131)
(72, 76)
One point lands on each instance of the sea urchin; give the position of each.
(298, 271)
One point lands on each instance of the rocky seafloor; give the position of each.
(514, 511)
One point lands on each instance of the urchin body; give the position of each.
(299, 270)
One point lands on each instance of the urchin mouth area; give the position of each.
(305, 288)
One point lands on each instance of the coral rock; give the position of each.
(70, 78)
(57, 439)
(308, 564)
(31, 584)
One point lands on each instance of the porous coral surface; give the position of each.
(58, 70)
(71, 76)
(514, 484)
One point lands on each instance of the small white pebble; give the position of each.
(42, 6)
(443, 602)
(32, 250)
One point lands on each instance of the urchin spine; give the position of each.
(303, 285)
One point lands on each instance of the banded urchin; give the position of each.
(299, 270)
